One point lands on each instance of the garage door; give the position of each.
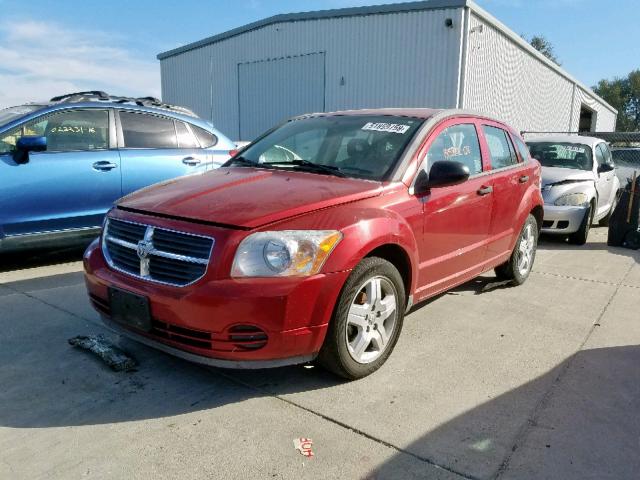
(271, 91)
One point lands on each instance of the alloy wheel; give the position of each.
(371, 320)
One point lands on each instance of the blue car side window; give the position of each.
(73, 130)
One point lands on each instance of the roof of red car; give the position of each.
(423, 113)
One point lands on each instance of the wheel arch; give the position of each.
(399, 258)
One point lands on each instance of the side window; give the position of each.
(206, 139)
(73, 130)
(185, 137)
(459, 143)
(600, 157)
(607, 153)
(522, 148)
(500, 148)
(141, 130)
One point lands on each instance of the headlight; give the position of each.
(572, 200)
(284, 253)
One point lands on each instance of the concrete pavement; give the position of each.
(538, 381)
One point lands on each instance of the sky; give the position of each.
(48, 48)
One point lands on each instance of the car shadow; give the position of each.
(588, 428)
(41, 257)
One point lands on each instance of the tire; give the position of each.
(580, 237)
(605, 221)
(355, 345)
(518, 267)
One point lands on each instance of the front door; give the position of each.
(605, 179)
(71, 185)
(456, 218)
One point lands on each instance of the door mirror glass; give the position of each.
(442, 174)
(27, 144)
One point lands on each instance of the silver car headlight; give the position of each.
(284, 253)
(572, 200)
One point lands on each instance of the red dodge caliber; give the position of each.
(313, 241)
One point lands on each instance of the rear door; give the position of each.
(154, 148)
(509, 179)
(456, 218)
(69, 186)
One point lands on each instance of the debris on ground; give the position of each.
(303, 445)
(115, 358)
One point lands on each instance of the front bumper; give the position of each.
(562, 220)
(200, 322)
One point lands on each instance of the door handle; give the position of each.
(104, 166)
(191, 161)
(524, 179)
(485, 191)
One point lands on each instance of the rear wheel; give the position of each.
(367, 320)
(518, 267)
(580, 237)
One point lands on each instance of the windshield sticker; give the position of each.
(386, 127)
(574, 148)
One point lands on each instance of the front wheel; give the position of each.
(580, 237)
(367, 320)
(518, 267)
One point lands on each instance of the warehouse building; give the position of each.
(437, 53)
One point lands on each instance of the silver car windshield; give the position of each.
(562, 154)
(14, 113)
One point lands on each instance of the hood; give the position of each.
(556, 175)
(247, 197)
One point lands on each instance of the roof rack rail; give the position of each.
(98, 95)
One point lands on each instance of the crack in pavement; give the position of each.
(532, 419)
(355, 430)
(601, 282)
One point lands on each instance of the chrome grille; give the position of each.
(156, 254)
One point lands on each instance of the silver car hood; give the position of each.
(555, 175)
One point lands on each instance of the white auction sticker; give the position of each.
(386, 127)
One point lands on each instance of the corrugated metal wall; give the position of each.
(272, 91)
(504, 80)
(394, 59)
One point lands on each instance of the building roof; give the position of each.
(318, 15)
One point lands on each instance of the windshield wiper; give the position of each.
(315, 167)
(240, 160)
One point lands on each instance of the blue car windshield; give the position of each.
(14, 113)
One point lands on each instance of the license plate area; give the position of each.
(130, 309)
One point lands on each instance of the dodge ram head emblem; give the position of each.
(144, 249)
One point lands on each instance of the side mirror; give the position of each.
(27, 144)
(605, 167)
(442, 174)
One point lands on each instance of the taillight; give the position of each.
(234, 152)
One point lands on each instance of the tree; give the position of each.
(544, 46)
(623, 94)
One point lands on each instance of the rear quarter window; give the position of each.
(206, 139)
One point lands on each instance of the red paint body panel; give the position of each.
(248, 197)
(447, 236)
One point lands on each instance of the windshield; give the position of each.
(13, 113)
(357, 146)
(562, 154)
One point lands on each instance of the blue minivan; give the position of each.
(63, 163)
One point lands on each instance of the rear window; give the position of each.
(141, 130)
(562, 154)
(500, 147)
(359, 146)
